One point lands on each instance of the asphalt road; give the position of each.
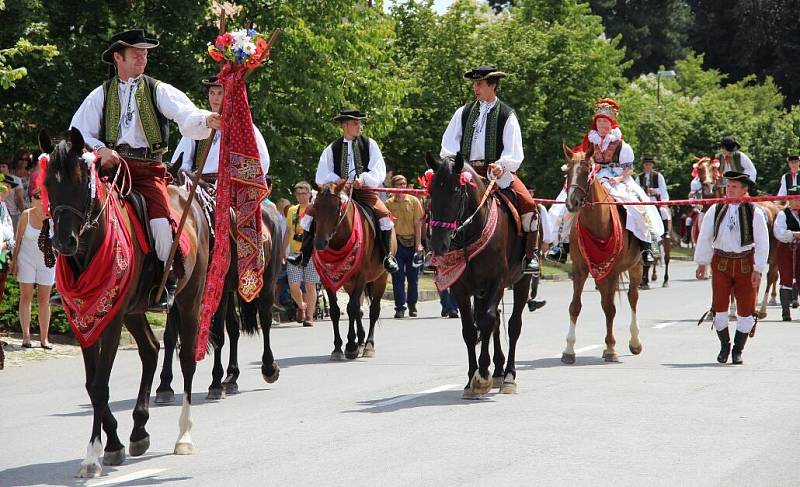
(671, 416)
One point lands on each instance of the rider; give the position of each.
(787, 231)
(733, 159)
(357, 160)
(790, 179)
(487, 134)
(192, 149)
(604, 143)
(133, 123)
(734, 239)
(653, 183)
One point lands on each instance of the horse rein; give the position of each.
(342, 210)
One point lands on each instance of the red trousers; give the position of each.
(150, 179)
(788, 258)
(728, 274)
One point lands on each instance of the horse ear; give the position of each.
(694, 166)
(76, 139)
(696, 159)
(458, 165)
(431, 161)
(567, 151)
(45, 144)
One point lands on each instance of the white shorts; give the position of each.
(298, 274)
(28, 273)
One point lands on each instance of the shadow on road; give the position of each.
(295, 361)
(442, 398)
(117, 407)
(694, 366)
(546, 363)
(63, 473)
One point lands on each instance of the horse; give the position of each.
(233, 315)
(599, 222)
(457, 221)
(79, 219)
(707, 171)
(335, 221)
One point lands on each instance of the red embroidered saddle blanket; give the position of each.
(337, 266)
(600, 254)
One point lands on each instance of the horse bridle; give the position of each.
(342, 210)
(589, 180)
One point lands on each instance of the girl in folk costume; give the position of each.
(787, 231)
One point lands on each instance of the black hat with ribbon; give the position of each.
(349, 114)
(489, 71)
(729, 143)
(130, 38)
(742, 178)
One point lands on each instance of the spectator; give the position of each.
(306, 299)
(408, 213)
(6, 233)
(14, 199)
(29, 266)
(20, 168)
(449, 306)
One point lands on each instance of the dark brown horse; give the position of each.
(597, 220)
(79, 228)
(335, 220)
(457, 220)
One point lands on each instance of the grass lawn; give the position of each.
(157, 320)
(682, 251)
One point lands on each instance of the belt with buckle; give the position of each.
(210, 178)
(478, 163)
(733, 255)
(143, 153)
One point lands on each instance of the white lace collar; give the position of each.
(613, 136)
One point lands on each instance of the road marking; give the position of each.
(581, 350)
(131, 476)
(409, 397)
(664, 325)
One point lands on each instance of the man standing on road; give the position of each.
(787, 231)
(408, 213)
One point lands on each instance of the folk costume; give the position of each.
(787, 229)
(132, 117)
(356, 159)
(734, 239)
(488, 132)
(789, 179)
(737, 161)
(190, 151)
(655, 186)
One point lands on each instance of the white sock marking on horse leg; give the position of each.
(90, 466)
(185, 423)
(634, 330)
(570, 350)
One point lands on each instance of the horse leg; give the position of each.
(336, 312)
(378, 288)
(232, 327)
(578, 281)
(667, 253)
(148, 347)
(90, 465)
(360, 332)
(607, 289)
(215, 390)
(187, 321)
(270, 370)
(470, 335)
(353, 314)
(164, 393)
(634, 344)
(487, 322)
(514, 331)
(498, 359)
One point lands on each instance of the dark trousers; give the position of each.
(447, 301)
(407, 272)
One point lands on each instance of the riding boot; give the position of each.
(168, 296)
(389, 263)
(647, 253)
(725, 345)
(558, 253)
(786, 298)
(531, 264)
(306, 247)
(795, 303)
(738, 346)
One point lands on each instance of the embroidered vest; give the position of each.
(199, 150)
(654, 181)
(340, 156)
(493, 132)
(791, 221)
(154, 123)
(787, 180)
(746, 212)
(608, 156)
(736, 161)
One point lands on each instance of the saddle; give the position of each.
(372, 219)
(510, 202)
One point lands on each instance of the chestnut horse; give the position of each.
(335, 221)
(458, 219)
(79, 229)
(597, 220)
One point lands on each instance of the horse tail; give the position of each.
(248, 315)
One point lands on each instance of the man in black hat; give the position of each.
(734, 239)
(191, 150)
(487, 134)
(791, 178)
(733, 159)
(787, 230)
(128, 117)
(357, 160)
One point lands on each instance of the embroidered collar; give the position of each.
(613, 136)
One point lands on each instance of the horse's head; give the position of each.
(328, 214)
(448, 192)
(706, 170)
(68, 190)
(580, 175)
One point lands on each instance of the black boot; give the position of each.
(531, 264)
(786, 298)
(795, 304)
(725, 345)
(738, 346)
(168, 296)
(306, 247)
(558, 253)
(386, 244)
(647, 253)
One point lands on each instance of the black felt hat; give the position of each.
(793, 158)
(211, 81)
(648, 159)
(349, 114)
(730, 143)
(741, 177)
(489, 71)
(130, 38)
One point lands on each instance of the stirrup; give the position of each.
(390, 264)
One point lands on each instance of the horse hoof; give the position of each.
(666, 284)
(230, 388)
(114, 458)
(509, 386)
(184, 449)
(469, 395)
(762, 315)
(568, 358)
(610, 357)
(140, 447)
(215, 394)
(272, 378)
(369, 351)
(360, 350)
(479, 385)
(89, 471)
(165, 397)
(635, 350)
(497, 382)
(337, 356)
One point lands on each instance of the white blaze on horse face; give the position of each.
(570, 350)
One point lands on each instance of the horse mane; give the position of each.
(63, 162)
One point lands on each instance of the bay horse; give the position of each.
(232, 316)
(707, 171)
(597, 220)
(79, 229)
(458, 220)
(335, 223)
